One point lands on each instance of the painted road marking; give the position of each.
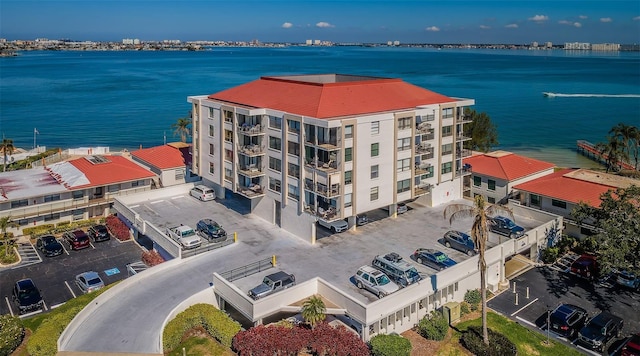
(156, 202)
(178, 197)
(526, 321)
(134, 206)
(58, 305)
(112, 271)
(64, 248)
(70, 290)
(9, 305)
(90, 244)
(521, 309)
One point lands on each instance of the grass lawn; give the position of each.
(201, 346)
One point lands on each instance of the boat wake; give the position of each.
(553, 95)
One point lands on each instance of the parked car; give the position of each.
(505, 226)
(99, 233)
(203, 193)
(435, 259)
(273, 283)
(27, 296)
(334, 226)
(89, 281)
(567, 320)
(77, 239)
(49, 246)
(184, 235)
(211, 230)
(628, 280)
(631, 347)
(600, 330)
(402, 208)
(362, 219)
(374, 281)
(585, 266)
(399, 270)
(460, 241)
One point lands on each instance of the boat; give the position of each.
(548, 94)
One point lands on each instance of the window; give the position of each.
(404, 123)
(52, 217)
(228, 155)
(374, 171)
(179, 174)
(294, 126)
(559, 203)
(211, 130)
(404, 144)
(429, 174)
(293, 192)
(275, 143)
(19, 203)
(404, 185)
(446, 167)
(373, 194)
(348, 175)
(491, 184)
(447, 131)
(534, 199)
(348, 154)
(491, 200)
(375, 149)
(113, 188)
(211, 168)
(211, 113)
(274, 184)
(348, 131)
(228, 174)
(275, 122)
(211, 149)
(293, 148)
(347, 200)
(375, 127)
(447, 113)
(447, 149)
(78, 214)
(403, 165)
(293, 170)
(50, 198)
(477, 181)
(275, 164)
(228, 116)
(137, 183)
(79, 194)
(228, 136)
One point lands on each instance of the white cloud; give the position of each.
(324, 25)
(539, 18)
(605, 19)
(432, 29)
(583, 17)
(564, 22)
(287, 25)
(484, 27)
(512, 25)
(569, 23)
(637, 18)
(577, 24)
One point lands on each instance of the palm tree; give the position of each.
(313, 310)
(612, 151)
(5, 223)
(626, 134)
(480, 212)
(7, 148)
(181, 127)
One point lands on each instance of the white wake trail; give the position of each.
(552, 95)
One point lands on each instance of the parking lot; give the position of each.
(55, 276)
(549, 287)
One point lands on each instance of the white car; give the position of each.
(374, 281)
(89, 281)
(203, 193)
(334, 226)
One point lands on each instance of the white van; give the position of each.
(399, 270)
(203, 193)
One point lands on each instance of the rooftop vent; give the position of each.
(97, 159)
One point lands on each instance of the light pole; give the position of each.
(548, 323)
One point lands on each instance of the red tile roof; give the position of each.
(330, 99)
(506, 165)
(117, 169)
(163, 157)
(562, 186)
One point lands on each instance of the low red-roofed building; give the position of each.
(562, 191)
(495, 174)
(168, 162)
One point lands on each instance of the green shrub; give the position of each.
(63, 224)
(44, 341)
(473, 297)
(11, 334)
(499, 345)
(38, 230)
(587, 245)
(216, 322)
(390, 345)
(434, 327)
(549, 255)
(464, 308)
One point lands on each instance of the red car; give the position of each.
(632, 346)
(585, 266)
(77, 239)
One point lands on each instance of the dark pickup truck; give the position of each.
(600, 330)
(273, 283)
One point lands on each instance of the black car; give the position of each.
(460, 241)
(600, 330)
(49, 246)
(99, 233)
(567, 320)
(505, 226)
(435, 259)
(27, 296)
(211, 230)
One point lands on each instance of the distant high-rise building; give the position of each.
(605, 47)
(309, 42)
(548, 45)
(534, 44)
(583, 46)
(396, 43)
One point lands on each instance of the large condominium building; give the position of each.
(301, 148)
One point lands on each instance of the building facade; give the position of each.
(330, 146)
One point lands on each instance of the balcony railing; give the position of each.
(325, 191)
(465, 119)
(463, 153)
(423, 128)
(462, 137)
(325, 166)
(331, 144)
(422, 168)
(251, 150)
(250, 130)
(423, 148)
(428, 137)
(328, 214)
(252, 170)
(422, 189)
(253, 191)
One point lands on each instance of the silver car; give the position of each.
(89, 281)
(374, 281)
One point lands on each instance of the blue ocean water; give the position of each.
(128, 99)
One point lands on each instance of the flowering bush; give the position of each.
(11, 334)
(117, 228)
(152, 258)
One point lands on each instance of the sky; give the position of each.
(360, 21)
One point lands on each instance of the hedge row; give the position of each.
(11, 333)
(390, 345)
(499, 345)
(60, 227)
(44, 341)
(217, 323)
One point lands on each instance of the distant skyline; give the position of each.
(413, 21)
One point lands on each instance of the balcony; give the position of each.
(326, 191)
(323, 166)
(329, 145)
(250, 130)
(462, 137)
(251, 150)
(423, 128)
(251, 170)
(428, 137)
(422, 189)
(463, 153)
(464, 171)
(465, 119)
(422, 168)
(423, 148)
(253, 191)
(328, 214)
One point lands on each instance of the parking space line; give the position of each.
(9, 305)
(58, 305)
(64, 248)
(30, 314)
(90, 244)
(70, 290)
(177, 197)
(45, 305)
(134, 206)
(526, 321)
(521, 309)
(156, 202)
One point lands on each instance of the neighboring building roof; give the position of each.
(506, 165)
(95, 171)
(163, 157)
(27, 183)
(576, 185)
(330, 95)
